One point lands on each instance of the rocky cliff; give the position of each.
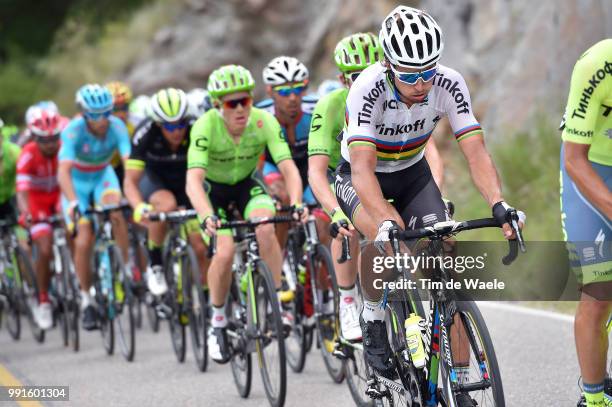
(516, 55)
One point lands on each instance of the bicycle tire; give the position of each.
(197, 308)
(328, 326)
(241, 361)
(71, 297)
(28, 293)
(270, 330)
(479, 343)
(295, 342)
(60, 283)
(355, 371)
(172, 297)
(102, 306)
(13, 311)
(123, 303)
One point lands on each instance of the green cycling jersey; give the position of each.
(588, 115)
(226, 162)
(9, 153)
(327, 122)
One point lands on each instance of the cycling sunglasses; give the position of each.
(411, 78)
(97, 116)
(174, 126)
(48, 139)
(232, 104)
(287, 90)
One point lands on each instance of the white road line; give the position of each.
(527, 311)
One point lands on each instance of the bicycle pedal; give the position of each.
(163, 311)
(374, 393)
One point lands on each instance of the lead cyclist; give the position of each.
(586, 206)
(392, 109)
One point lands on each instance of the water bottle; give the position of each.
(414, 340)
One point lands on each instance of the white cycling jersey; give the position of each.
(375, 116)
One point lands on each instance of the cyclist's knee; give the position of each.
(45, 248)
(264, 232)
(163, 201)
(117, 219)
(591, 310)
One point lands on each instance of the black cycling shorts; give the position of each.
(412, 192)
(151, 183)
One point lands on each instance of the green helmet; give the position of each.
(357, 52)
(230, 79)
(168, 105)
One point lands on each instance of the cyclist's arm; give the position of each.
(24, 169)
(124, 145)
(197, 163)
(292, 180)
(317, 178)
(195, 192)
(64, 179)
(131, 180)
(281, 154)
(363, 166)
(587, 180)
(434, 159)
(482, 169)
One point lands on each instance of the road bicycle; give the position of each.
(185, 302)
(18, 287)
(254, 314)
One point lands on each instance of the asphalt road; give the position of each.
(535, 351)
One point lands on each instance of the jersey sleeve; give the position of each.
(123, 138)
(458, 105)
(137, 155)
(583, 102)
(321, 127)
(67, 150)
(362, 109)
(197, 155)
(275, 140)
(24, 169)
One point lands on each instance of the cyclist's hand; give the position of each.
(382, 236)
(300, 212)
(502, 213)
(141, 211)
(73, 207)
(210, 224)
(340, 225)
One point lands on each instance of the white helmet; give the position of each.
(284, 69)
(199, 102)
(411, 38)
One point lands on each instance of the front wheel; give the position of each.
(124, 304)
(323, 278)
(174, 301)
(470, 340)
(270, 338)
(28, 289)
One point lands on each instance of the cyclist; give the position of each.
(38, 198)
(352, 55)
(286, 80)
(122, 97)
(392, 109)
(586, 204)
(156, 176)
(9, 153)
(86, 177)
(226, 143)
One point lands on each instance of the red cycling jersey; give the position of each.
(37, 175)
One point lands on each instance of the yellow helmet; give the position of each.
(122, 94)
